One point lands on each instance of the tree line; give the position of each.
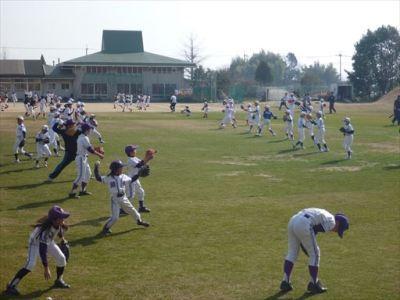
(376, 70)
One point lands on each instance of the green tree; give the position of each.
(376, 63)
(318, 74)
(263, 74)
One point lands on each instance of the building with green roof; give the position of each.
(122, 66)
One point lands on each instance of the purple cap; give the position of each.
(57, 212)
(343, 223)
(85, 127)
(69, 122)
(130, 148)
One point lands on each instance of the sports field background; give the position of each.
(220, 201)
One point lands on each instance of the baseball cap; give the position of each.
(130, 148)
(69, 122)
(343, 223)
(56, 212)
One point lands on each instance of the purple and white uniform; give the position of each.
(117, 186)
(41, 243)
(82, 165)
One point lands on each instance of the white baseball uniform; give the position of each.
(301, 124)
(320, 137)
(117, 185)
(348, 137)
(81, 160)
(302, 229)
(289, 126)
(46, 237)
(42, 148)
(135, 186)
(20, 136)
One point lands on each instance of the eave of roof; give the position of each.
(137, 59)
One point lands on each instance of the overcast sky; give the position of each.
(313, 30)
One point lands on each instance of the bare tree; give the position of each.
(191, 53)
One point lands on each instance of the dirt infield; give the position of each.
(385, 103)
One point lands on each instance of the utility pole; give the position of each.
(340, 66)
(86, 49)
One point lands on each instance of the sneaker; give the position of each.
(73, 195)
(142, 223)
(144, 209)
(11, 291)
(59, 283)
(106, 231)
(84, 193)
(17, 161)
(316, 288)
(62, 148)
(49, 180)
(45, 164)
(37, 166)
(286, 286)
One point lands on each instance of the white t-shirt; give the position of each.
(131, 164)
(173, 99)
(116, 184)
(20, 131)
(321, 217)
(83, 143)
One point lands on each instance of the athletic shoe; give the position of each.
(11, 291)
(59, 283)
(62, 148)
(144, 209)
(286, 286)
(73, 195)
(106, 231)
(45, 164)
(142, 223)
(37, 166)
(316, 288)
(49, 180)
(84, 193)
(17, 161)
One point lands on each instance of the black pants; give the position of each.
(332, 107)
(67, 159)
(172, 106)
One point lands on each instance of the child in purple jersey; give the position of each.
(41, 242)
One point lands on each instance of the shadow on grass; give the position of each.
(33, 295)
(94, 222)
(90, 240)
(32, 185)
(288, 150)
(333, 162)
(277, 141)
(394, 167)
(305, 154)
(306, 295)
(41, 203)
(17, 171)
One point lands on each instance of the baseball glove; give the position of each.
(46, 141)
(341, 129)
(275, 117)
(99, 149)
(65, 249)
(241, 106)
(144, 171)
(151, 152)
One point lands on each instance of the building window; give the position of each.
(158, 89)
(65, 86)
(101, 88)
(136, 88)
(168, 70)
(5, 86)
(51, 85)
(87, 88)
(170, 89)
(139, 70)
(19, 84)
(34, 85)
(123, 88)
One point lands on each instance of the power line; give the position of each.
(42, 48)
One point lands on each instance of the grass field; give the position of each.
(220, 202)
